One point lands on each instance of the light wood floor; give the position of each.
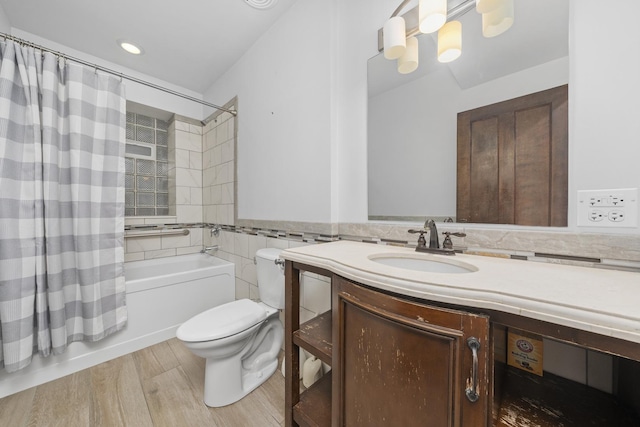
(158, 386)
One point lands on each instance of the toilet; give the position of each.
(240, 340)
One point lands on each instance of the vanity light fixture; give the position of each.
(395, 41)
(433, 15)
(498, 20)
(408, 62)
(130, 47)
(486, 6)
(450, 41)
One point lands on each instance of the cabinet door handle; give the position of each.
(472, 389)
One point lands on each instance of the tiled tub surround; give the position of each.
(185, 170)
(218, 169)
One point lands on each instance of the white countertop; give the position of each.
(605, 302)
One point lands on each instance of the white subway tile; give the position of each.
(189, 250)
(189, 213)
(242, 289)
(231, 127)
(317, 295)
(182, 158)
(159, 253)
(216, 155)
(172, 242)
(231, 214)
(247, 271)
(227, 191)
(195, 160)
(216, 194)
(255, 243)
(197, 236)
(222, 133)
(143, 244)
(211, 215)
(277, 243)
(196, 196)
(195, 129)
(227, 241)
(133, 221)
(188, 178)
(223, 214)
(227, 151)
(135, 256)
(181, 126)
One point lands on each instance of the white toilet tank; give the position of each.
(270, 277)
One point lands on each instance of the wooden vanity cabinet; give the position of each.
(398, 362)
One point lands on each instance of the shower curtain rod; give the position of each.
(116, 73)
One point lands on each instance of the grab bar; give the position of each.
(151, 233)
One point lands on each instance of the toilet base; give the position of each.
(229, 380)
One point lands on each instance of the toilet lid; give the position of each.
(222, 321)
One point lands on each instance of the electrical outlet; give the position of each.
(608, 208)
(596, 215)
(616, 215)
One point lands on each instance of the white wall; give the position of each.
(604, 113)
(284, 90)
(5, 25)
(293, 167)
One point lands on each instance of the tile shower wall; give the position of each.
(218, 170)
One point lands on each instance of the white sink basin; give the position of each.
(422, 264)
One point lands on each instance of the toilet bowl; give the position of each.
(240, 340)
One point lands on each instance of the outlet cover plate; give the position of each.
(608, 208)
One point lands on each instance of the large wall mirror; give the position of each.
(412, 119)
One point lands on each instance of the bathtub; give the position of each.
(161, 294)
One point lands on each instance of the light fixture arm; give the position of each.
(402, 5)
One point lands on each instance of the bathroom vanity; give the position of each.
(420, 339)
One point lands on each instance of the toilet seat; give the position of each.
(222, 321)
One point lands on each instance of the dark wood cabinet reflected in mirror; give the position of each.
(512, 161)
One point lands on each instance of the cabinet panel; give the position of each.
(399, 362)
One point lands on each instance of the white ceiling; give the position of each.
(189, 43)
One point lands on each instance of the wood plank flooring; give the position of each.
(161, 385)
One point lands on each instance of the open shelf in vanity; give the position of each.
(314, 407)
(510, 394)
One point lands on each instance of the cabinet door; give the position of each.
(402, 363)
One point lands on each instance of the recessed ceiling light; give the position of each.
(130, 47)
(261, 4)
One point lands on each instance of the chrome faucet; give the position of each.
(209, 248)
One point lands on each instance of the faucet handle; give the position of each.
(447, 243)
(422, 242)
(420, 230)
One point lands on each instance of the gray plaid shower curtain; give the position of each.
(62, 136)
